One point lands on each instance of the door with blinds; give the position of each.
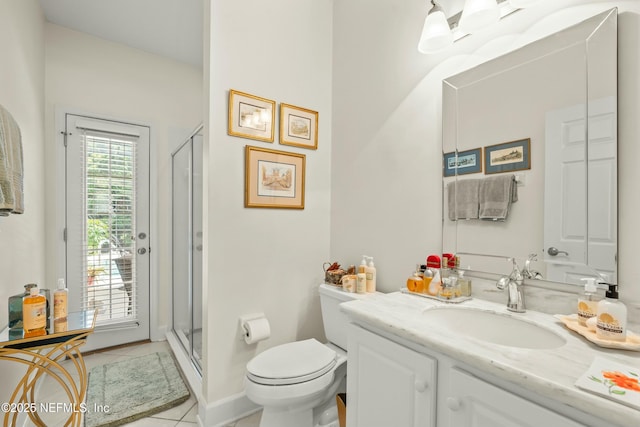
(107, 226)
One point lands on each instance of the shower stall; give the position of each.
(186, 168)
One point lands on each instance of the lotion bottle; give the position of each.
(612, 317)
(60, 302)
(370, 272)
(34, 311)
(361, 277)
(588, 301)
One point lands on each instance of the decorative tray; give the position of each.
(433, 297)
(571, 322)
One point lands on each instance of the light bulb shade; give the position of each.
(436, 34)
(521, 4)
(478, 14)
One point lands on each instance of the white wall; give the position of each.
(95, 76)
(22, 250)
(386, 161)
(263, 260)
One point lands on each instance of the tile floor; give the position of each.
(183, 415)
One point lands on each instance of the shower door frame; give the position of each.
(187, 346)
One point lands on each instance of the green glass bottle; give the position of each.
(15, 307)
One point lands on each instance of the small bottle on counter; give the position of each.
(588, 301)
(361, 277)
(415, 282)
(34, 311)
(464, 283)
(433, 264)
(15, 307)
(612, 317)
(370, 271)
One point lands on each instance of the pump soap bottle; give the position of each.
(588, 301)
(370, 272)
(60, 306)
(361, 277)
(612, 317)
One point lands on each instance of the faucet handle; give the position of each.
(502, 283)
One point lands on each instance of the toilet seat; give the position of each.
(292, 363)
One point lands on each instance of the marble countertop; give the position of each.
(548, 372)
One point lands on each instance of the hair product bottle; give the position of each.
(34, 311)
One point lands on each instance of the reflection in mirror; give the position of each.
(538, 128)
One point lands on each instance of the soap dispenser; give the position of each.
(588, 301)
(611, 317)
(361, 277)
(370, 271)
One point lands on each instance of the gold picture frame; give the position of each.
(251, 116)
(273, 179)
(298, 126)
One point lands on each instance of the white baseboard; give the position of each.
(213, 414)
(225, 411)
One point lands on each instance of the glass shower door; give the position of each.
(187, 245)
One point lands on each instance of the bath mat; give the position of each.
(122, 392)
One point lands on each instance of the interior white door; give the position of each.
(579, 227)
(107, 226)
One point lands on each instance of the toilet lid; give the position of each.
(291, 363)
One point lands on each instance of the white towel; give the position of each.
(463, 199)
(496, 194)
(11, 165)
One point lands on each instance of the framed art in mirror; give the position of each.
(463, 162)
(508, 157)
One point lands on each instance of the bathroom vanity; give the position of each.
(410, 365)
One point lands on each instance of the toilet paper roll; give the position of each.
(256, 330)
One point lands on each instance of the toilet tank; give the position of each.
(335, 321)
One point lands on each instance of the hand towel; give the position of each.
(463, 199)
(11, 165)
(495, 195)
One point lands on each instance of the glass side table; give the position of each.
(43, 353)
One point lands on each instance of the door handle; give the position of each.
(142, 251)
(554, 251)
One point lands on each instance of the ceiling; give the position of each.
(171, 28)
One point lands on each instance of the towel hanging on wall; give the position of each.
(11, 165)
(496, 194)
(463, 200)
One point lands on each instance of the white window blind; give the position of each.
(109, 199)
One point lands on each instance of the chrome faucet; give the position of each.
(514, 283)
(527, 272)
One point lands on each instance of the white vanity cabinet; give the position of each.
(473, 402)
(388, 384)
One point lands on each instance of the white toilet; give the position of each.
(296, 383)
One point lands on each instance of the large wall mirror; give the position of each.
(540, 122)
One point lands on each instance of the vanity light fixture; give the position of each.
(436, 33)
(439, 32)
(479, 14)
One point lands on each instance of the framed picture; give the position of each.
(469, 161)
(273, 179)
(251, 116)
(298, 127)
(508, 156)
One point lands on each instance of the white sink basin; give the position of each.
(496, 328)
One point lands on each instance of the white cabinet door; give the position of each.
(388, 384)
(475, 403)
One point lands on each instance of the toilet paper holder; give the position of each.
(244, 332)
